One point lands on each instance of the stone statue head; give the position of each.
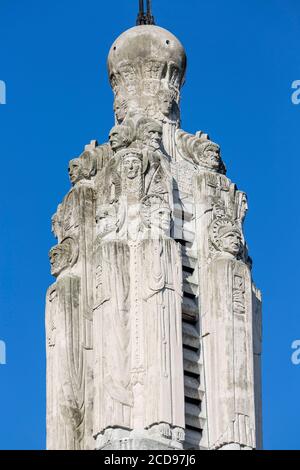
(120, 108)
(156, 215)
(83, 167)
(120, 137)
(208, 154)
(230, 240)
(165, 102)
(226, 237)
(200, 150)
(243, 206)
(149, 132)
(63, 256)
(132, 164)
(75, 171)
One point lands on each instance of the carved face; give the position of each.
(208, 155)
(120, 137)
(75, 171)
(153, 136)
(231, 242)
(212, 157)
(132, 166)
(165, 104)
(160, 219)
(244, 207)
(59, 259)
(120, 108)
(116, 138)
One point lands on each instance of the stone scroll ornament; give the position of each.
(153, 333)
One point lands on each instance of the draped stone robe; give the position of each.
(65, 365)
(113, 397)
(162, 282)
(228, 349)
(71, 297)
(138, 336)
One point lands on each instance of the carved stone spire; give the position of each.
(147, 67)
(153, 322)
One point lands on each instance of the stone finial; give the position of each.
(144, 63)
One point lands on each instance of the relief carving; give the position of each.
(238, 294)
(228, 308)
(121, 136)
(120, 108)
(163, 337)
(201, 151)
(226, 238)
(113, 401)
(63, 256)
(64, 329)
(156, 216)
(83, 167)
(138, 168)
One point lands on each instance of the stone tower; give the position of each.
(153, 324)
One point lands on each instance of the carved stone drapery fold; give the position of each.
(65, 363)
(138, 338)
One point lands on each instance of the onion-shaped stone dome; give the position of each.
(145, 59)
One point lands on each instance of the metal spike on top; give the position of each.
(145, 17)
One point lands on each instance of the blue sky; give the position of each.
(242, 59)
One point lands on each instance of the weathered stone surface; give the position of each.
(153, 324)
(227, 314)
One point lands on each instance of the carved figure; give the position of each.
(63, 256)
(120, 136)
(226, 237)
(149, 132)
(199, 150)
